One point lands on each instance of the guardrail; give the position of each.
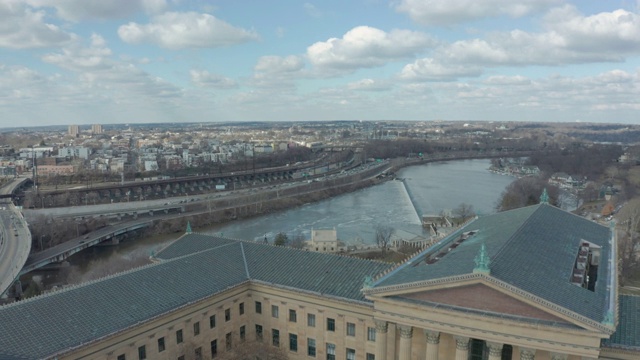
(22, 236)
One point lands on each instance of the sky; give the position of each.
(140, 61)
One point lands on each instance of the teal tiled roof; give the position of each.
(532, 248)
(627, 335)
(195, 267)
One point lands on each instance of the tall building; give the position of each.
(74, 130)
(531, 283)
(96, 129)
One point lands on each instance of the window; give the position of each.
(478, 350)
(293, 342)
(161, 346)
(311, 320)
(258, 307)
(212, 321)
(198, 353)
(241, 308)
(243, 333)
(142, 352)
(214, 348)
(181, 357)
(331, 324)
(274, 311)
(196, 328)
(122, 357)
(371, 356)
(371, 334)
(507, 352)
(311, 347)
(179, 336)
(227, 315)
(331, 351)
(228, 340)
(351, 329)
(275, 337)
(351, 354)
(258, 332)
(292, 315)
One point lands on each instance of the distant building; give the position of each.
(535, 283)
(74, 130)
(324, 240)
(46, 170)
(74, 152)
(96, 129)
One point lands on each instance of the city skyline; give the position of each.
(136, 61)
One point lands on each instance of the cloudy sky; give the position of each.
(125, 61)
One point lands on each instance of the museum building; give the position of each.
(531, 283)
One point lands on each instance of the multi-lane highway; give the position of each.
(15, 238)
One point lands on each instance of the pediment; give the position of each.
(481, 297)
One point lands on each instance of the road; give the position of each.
(15, 238)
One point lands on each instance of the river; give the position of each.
(432, 188)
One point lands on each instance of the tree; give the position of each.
(629, 242)
(298, 241)
(526, 191)
(281, 239)
(383, 236)
(251, 350)
(464, 211)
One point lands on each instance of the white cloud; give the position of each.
(429, 69)
(77, 10)
(369, 85)
(365, 47)
(447, 12)
(174, 30)
(277, 71)
(206, 79)
(22, 28)
(507, 80)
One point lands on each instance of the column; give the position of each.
(406, 333)
(527, 354)
(381, 340)
(433, 343)
(462, 347)
(495, 350)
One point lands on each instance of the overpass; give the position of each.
(15, 237)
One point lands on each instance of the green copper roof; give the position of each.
(627, 335)
(532, 248)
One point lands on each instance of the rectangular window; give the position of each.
(198, 353)
(161, 346)
(214, 348)
(371, 356)
(274, 311)
(227, 315)
(258, 307)
(351, 354)
(311, 347)
(243, 333)
(292, 315)
(228, 340)
(371, 333)
(196, 328)
(241, 308)
(331, 324)
(212, 321)
(275, 337)
(351, 329)
(331, 351)
(142, 352)
(122, 357)
(179, 338)
(293, 342)
(311, 320)
(258, 332)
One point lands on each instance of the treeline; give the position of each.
(577, 160)
(47, 232)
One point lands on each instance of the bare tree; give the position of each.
(297, 241)
(251, 350)
(629, 247)
(383, 236)
(464, 211)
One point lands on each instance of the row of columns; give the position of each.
(433, 343)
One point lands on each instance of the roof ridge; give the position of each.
(244, 260)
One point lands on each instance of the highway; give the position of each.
(15, 238)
